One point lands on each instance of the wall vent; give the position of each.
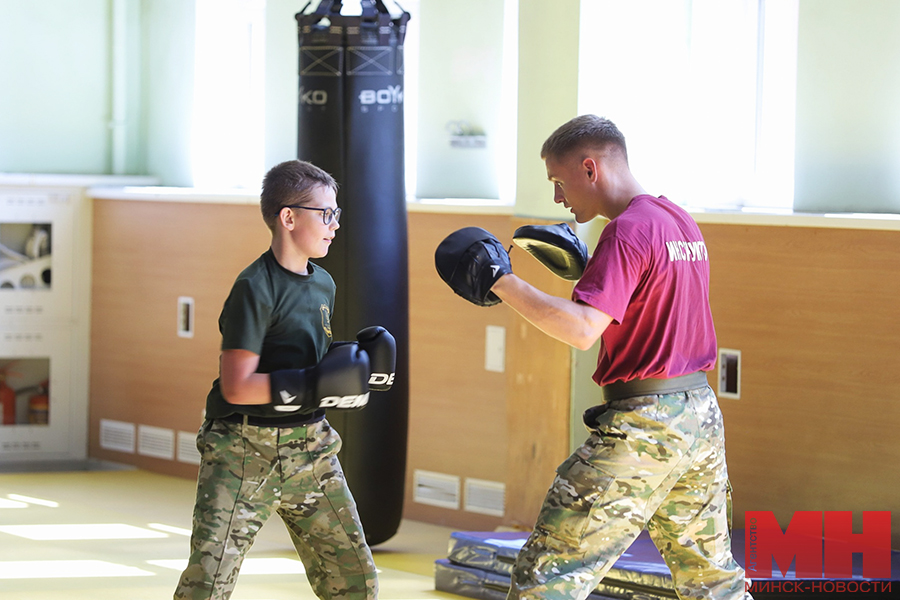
(116, 435)
(156, 442)
(187, 448)
(485, 497)
(436, 489)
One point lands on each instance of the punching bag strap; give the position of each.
(370, 10)
(317, 32)
(328, 7)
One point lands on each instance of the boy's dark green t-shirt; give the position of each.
(283, 317)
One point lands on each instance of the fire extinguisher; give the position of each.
(7, 400)
(39, 405)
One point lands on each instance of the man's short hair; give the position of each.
(582, 133)
(290, 182)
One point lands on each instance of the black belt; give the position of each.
(652, 387)
(289, 421)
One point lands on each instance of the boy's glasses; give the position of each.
(327, 213)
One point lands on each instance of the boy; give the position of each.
(265, 444)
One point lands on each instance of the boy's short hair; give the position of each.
(580, 133)
(290, 182)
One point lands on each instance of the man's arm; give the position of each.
(573, 323)
(239, 381)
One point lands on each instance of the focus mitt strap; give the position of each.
(556, 247)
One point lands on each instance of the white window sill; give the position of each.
(772, 217)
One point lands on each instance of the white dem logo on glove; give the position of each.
(353, 401)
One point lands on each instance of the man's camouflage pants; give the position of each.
(246, 473)
(656, 461)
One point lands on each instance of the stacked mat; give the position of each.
(479, 565)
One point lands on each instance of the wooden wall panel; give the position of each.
(812, 310)
(539, 394)
(814, 313)
(457, 419)
(146, 255)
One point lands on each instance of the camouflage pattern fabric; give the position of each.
(248, 472)
(655, 461)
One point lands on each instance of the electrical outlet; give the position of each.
(729, 373)
(185, 317)
(495, 349)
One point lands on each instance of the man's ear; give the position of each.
(590, 168)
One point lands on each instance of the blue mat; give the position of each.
(479, 565)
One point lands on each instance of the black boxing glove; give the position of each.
(381, 347)
(339, 380)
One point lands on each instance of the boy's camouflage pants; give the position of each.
(248, 472)
(655, 461)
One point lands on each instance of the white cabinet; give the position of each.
(45, 288)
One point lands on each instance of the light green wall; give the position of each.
(57, 68)
(54, 103)
(848, 106)
(167, 88)
(59, 82)
(125, 56)
(548, 95)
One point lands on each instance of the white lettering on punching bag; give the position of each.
(392, 96)
(687, 251)
(313, 97)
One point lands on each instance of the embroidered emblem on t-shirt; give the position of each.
(326, 319)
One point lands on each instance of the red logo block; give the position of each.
(819, 543)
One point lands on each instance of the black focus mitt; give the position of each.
(470, 261)
(556, 247)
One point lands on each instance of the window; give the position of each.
(704, 92)
(227, 137)
(410, 97)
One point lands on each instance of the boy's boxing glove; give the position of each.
(381, 347)
(340, 380)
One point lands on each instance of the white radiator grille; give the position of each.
(156, 442)
(485, 497)
(187, 448)
(116, 435)
(436, 489)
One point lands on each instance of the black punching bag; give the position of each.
(351, 125)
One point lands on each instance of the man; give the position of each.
(655, 456)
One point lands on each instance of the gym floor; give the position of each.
(124, 535)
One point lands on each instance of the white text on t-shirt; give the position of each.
(692, 251)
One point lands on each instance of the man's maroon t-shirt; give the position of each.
(650, 273)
